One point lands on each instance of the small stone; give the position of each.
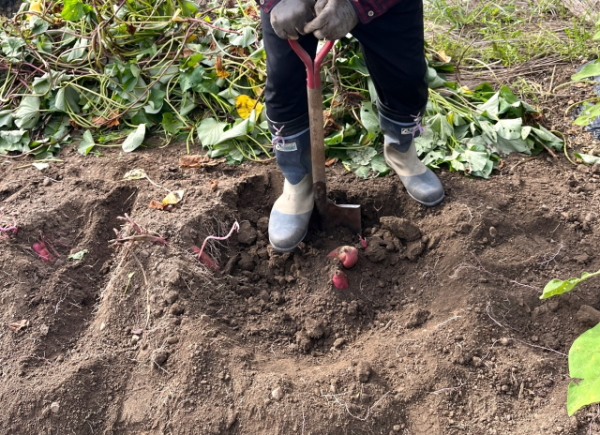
(493, 232)
(246, 262)
(277, 394)
(397, 428)
(535, 339)
(417, 319)
(589, 316)
(247, 233)
(363, 371)
(102, 326)
(135, 339)
(171, 297)
(506, 341)
(159, 357)
(172, 340)
(401, 228)
(54, 407)
(177, 309)
(263, 224)
(339, 343)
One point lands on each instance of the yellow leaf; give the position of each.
(221, 72)
(443, 56)
(35, 6)
(191, 38)
(135, 174)
(176, 16)
(450, 117)
(173, 197)
(244, 106)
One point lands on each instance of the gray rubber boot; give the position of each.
(400, 154)
(291, 212)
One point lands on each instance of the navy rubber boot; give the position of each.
(291, 212)
(400, 154)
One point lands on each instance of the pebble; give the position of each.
(246, 234)
(535, 338)
(159, 356)
(363, 371)
(54, 407)
(397, 428)
(339, 343)
(102, 326)
(493, 232)
(277, 394)
(588, 316)
(176, 309)
(135, 339)
(506, 341)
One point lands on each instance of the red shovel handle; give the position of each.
(313, 76)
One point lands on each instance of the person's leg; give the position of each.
(287, 112)
(393, 47)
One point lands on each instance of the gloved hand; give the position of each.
(335, 18)
(289, 17)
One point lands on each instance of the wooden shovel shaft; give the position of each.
(317, 136)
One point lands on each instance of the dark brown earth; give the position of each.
(440, 332)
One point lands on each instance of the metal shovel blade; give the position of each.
(332, 215)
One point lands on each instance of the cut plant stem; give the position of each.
(200, 252)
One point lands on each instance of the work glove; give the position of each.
(334, 20)
(289, 17)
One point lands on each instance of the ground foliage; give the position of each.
(108, 74)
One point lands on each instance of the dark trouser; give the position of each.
(393, 48)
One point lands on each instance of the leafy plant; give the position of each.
(584, 355)
(123, 71)
(584, 368)
(558, 286)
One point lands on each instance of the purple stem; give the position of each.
(235, 227)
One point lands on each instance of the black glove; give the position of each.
(335, 19)
(289, 17)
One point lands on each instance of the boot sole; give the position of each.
(288, 249)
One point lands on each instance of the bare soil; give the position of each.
(440, 332)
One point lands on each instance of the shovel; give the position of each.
(330, 214)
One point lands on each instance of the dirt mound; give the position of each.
(440, 332)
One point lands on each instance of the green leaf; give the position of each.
(209, 131)
(369, 119)
(12, 46)
(589, 70)
(37, 25)
(171, 124)
(67, 100)
(558, 287)
(28, 113)
(584, 367)
(87, 143)
(362, 156)
(509, 128)
(236, 131)
(245, 39)
(77, 255)
(6, 118)
(73, 10)
(587, 158)
(14, 140)
(379, 166)
(135, 138)
(491, 107)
